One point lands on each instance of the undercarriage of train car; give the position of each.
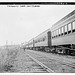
(64, 49)
(42, 48)
(59, 49)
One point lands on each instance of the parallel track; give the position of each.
(41, 64)
(55, 63)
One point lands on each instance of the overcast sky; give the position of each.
(20, 24)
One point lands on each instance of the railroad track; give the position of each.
(44, 67)
(56, 65)
(70, 65)
(48, 69)
(27, 64)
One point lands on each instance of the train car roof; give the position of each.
(42, 32)
(39, 34)
(64, 18)
(30, 40)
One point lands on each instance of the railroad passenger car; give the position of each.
(63, 34)
(31, 44)
(59, 39)
(26, 45)
(42, 41)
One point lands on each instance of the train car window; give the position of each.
(65, 29)
(69, 28)
(73, 26)
(41, 39)
(44, 38)
(35, 41)
(62, 30)
(54, 33)
(38, 40)
(59, 32)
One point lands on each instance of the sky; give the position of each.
(21, 24)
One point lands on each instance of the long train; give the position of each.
(59, 39)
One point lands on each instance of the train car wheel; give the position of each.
(47, 50)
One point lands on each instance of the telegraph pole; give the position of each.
(6, 44)
(11, 43)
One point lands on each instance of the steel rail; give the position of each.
(41, 64)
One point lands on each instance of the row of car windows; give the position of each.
(30, 43)
(66, 29)
(40, 40)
